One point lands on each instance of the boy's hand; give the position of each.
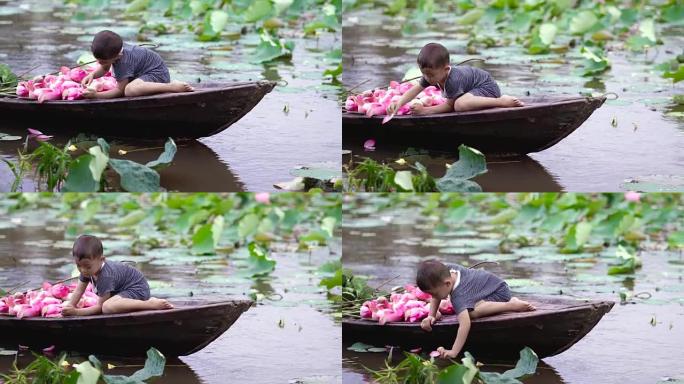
(393, 108)
(68, 310)
(418, 109)
(89, 93)
(447, 353)
(427, 322)
(87, 80)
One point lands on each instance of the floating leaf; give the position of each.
(582, 22)
(136, 177)
(471, 163)
(165, 158)
(404, 180)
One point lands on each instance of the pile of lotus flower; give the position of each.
(375, 101)
(411, 306)
(46, 302)
(65, 86)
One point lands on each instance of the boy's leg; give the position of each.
(139, 87)
(470, 102)
(489, 308)
(118, 304)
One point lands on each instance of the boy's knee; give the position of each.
(131, 90)
(107, 308)
(461, 105)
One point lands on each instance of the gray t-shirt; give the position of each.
(140, 63)
(119, 279)
(474, 285)
(463, 79)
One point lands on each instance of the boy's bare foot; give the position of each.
(159, 303)
(179, 86)
(521, 305)
(510, 101)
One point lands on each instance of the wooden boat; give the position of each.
(207, 111)
(540, 124)
(186, 329)
(555, 326)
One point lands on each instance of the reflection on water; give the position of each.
(386, 243)
(503, 175)
(259, 150)
(596, 157)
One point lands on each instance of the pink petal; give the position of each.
(632, 196)
(434, 354)
(49, 349)
(369, 145)
(416, 350)
(387, 118)
(263, 198)
(34, 132)
(43, 137)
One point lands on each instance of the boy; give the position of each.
(474, 293)
(121, 288)
(138, 71)
(465, 88)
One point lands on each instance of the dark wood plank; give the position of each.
(500, 132)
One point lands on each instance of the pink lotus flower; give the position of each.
(632, 196)
(434, 354)
(52, 310)
(375, 102)
(27, 311)
(22, 89)
(38, 135)
(59, 291)
(4, 308)
(77, 74)
(369, 145)
(263, 198)
(388, 315)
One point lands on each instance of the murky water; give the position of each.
(387, 244)
(252, 154)
(275, 341)
(596, 157)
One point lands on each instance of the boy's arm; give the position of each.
(100, 71)
(78, 293)
(427, 322)
(408, 96)
(94, 310)
(442, 108)
(461, 336)
(111, 94)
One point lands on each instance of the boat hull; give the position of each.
(555, 326)
(191, 115)
(177, 332)
(502, 132)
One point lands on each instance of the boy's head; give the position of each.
(106, 47)
(88, 255)
(433, 61)
(434, 278)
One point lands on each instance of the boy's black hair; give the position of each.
(106, 45)
(430, 273)
(433, 55)
(87, 246)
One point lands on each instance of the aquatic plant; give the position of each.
(371, 176)
(46, 371)
(418, 370)
(224, 20)
(56, 168)
(585, 28)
